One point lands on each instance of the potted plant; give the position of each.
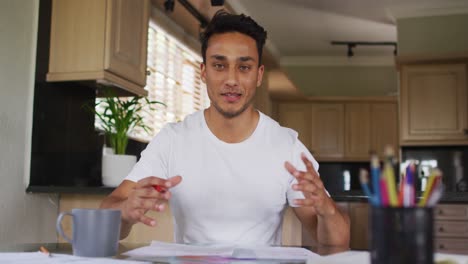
(119, 116)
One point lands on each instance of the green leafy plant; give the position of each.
(119, 116)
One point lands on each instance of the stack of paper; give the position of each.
(161, 249)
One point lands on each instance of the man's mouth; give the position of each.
(231, 97)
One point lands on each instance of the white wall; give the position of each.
(23, 217)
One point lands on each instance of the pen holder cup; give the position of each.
(401, 235)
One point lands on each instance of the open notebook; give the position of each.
(162, 249)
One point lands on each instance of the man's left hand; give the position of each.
(311, 185)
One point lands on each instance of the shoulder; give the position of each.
(277, 132)
(191, 123)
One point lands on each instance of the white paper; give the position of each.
(41, 258)
(161, 249)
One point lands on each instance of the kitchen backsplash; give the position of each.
(453, 161)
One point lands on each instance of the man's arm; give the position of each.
(317, 211)
(331, 229)
(135, 199)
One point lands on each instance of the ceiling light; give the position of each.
(353, 44)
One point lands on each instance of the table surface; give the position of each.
(65, 248)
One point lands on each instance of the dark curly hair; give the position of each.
(223, 22)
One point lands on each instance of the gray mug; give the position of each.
(96, 232)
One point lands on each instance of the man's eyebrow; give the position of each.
(218, 57)
(246, 58)
(224, 58)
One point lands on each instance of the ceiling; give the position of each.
(298, 28)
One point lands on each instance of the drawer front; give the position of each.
(451, 229)
(451, 212)
(451, 245)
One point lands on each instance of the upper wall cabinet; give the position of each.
(297, 117)
(327, 130)
(343, 130)
(433, 104)
(100, 40)
(370, 128)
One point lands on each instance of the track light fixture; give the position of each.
(169, 5)
(353, 44)
(350, 49)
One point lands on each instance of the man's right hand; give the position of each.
(145, 197)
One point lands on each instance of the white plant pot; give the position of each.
(115, 168)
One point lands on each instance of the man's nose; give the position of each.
(232, 78)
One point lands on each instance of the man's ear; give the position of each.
(260, 72)
(203, 72)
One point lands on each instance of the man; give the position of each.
(229, 171)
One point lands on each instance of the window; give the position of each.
(174, 80)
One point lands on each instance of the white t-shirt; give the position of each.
(230, 193)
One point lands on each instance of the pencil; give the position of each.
(375, 172)
(364, 178)
(389, 175)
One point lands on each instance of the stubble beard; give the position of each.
(232, 114)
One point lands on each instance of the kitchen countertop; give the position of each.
(345, 196)
(70, 189)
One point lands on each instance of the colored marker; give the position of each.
(159, 188)
(364, 178)
(389, 175)
(375, 173)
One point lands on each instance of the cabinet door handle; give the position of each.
(465, 131)
(441, 229)
(148, 72)
(440, 212)
(441, 246)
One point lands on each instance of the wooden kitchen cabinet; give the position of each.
(327, 130)
(451, 228)
(297, 117)
(359, 218)
(100, 40)
(384, 127)
(358, 130)
(343, 130)
(434, 104)
(369, 128)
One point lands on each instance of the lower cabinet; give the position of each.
(359, 217)
(451, 228)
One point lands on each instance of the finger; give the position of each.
(315, 180)
(147, 220)
(150, 181)
(310, 188)
(309, 165)
(309, 201)
(296, 173)
(173, 181)
(291, 169)
(151, 193)
(145, 204)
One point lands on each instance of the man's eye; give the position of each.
(218, 66)
(244, 68)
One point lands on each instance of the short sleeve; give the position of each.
(154, 159)
(297, 163)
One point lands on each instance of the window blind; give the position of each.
(174, 80)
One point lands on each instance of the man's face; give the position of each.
(231, 72)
